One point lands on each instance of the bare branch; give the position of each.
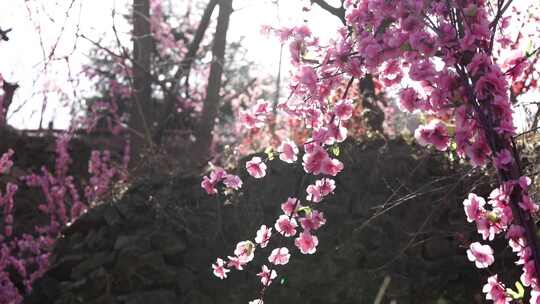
(336, 11)
(3, 34)
(141, 110)
(211, 102)
(184, 70)
(186, 63)
(9, 92)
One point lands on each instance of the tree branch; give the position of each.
(141, 109)
(9, 91)
(336, 11)
(186, 63)
(3, 34)
(183, 70)
(211, 102)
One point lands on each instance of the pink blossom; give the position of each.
(331, 166)
(313, 220)
(479, 63)
(245, 251)
(219, 269)
(515, 235)
(525, 182)
(256, 167)
(218, 174)
(335, 132)
(528, 204)
(326, 186)
(495, 291)
(279, 256)
(422, 71)
(313, 194)
(474, 207)
(422, 42)
(250, 120)
(410, 23)
(256, 301)
(320, 189)
(235, 262)
(307, 243)
(233, 182)
(481, 255)
(5, 161)
(307, 77)
(286, 226)
(373, 52)
(503, 159)
(408, 99)
(262, 107)
(500, 196)
(263, 236)
(208, 186)
(267, 275)
(491, 84)
(288, 151)
(516, 65)
(535, 296)
(524, 256)
(313, 159)
(291, 206)
(343, 109)
(485, 226)
(528, 277)
(434, 133)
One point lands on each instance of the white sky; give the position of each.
(22, 59)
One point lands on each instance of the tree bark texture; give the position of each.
(212, 100)
(141, 110)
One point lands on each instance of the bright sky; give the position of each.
(22, 59)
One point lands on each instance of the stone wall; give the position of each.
(396, 214)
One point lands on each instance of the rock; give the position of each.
(97, 260)
(156, 244)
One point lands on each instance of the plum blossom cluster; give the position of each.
(298, 222)
(256, 167)
(103, 174)
(218, 175)
(8, 291)
(446, 49)
(495, 217)
(27, 254)
(5, 161)
(256, 116)
(294, 217)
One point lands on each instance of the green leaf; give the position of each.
(519, 294)
(530, 49)
(335, 150)
(283, 281)
(305, 209)
(385, 24)
(269, 153)
(406, 47)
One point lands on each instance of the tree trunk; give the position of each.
(141, 110)
(211, 102)
(5, 101)
(183, 72)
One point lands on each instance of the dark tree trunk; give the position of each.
(9, 92)
(211, 102)
(141, 109)
(183, 71)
